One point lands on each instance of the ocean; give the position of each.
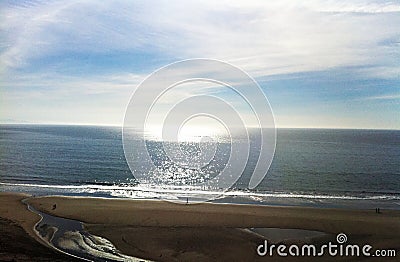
(311, 167)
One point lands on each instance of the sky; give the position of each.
(321, 63)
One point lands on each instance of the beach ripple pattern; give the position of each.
(214, 72)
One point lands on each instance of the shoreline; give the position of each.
(390, 201)
(166, 231)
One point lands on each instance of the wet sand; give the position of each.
(174, 232)
(18, 241)
(164, 231)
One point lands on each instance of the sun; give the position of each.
(196, 129)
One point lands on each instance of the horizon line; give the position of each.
(120, 126)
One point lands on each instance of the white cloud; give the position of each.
(264, 37)
(384, 97)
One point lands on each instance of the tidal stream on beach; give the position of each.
(69, 236)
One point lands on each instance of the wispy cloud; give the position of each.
(263, 37)
(75, 49)
(384, 97)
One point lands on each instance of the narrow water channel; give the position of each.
(70, 237)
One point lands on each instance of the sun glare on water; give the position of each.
(194, 130)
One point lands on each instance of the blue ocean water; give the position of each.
(325, 167)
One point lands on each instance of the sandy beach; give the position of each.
(164, 231)
(18, 241)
